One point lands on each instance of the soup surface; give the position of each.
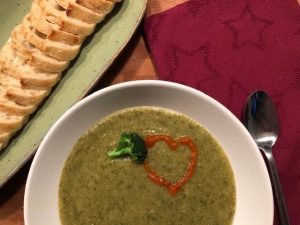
(95, 189)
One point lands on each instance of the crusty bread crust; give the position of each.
(35, 57)
(52, 31)
(10, 123)
(29, 76)
(99, 6)
(54, 49)
(80, 12)
(18, 93)
(12, 108)
(56, 15)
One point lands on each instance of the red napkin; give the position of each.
(230, 48)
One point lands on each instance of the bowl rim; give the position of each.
(132, 84)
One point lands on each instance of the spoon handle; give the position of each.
(279, 198)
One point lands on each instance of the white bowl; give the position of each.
(254, 193)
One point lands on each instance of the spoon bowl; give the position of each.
(262, 123)
(261, 119)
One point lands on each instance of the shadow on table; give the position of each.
(12, 194)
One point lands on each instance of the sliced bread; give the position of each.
(10, 123)
(29, 76)
(40, 48)
(12, 108)
(99, 6)
(80, 12)
(16, 92)
(35, 57)
(57, 50)
(51, 30)
(57, 15)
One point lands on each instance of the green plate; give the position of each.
(97, 54)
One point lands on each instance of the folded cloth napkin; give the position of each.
(230, 48)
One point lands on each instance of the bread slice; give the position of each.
(49, 65)
(22, 83)
(57, 15)
(10, 107)
(57, 50)
(35, 57)
(25, 97)
(80, 12)
(8, 59)
(52, 31)
(99, 6)
(29, 76)
(10, 123)
(16, 92)
(20, 44)
(31, 79)
(4, 136)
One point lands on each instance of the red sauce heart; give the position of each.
(173, 188)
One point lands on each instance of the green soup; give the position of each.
(97, 190)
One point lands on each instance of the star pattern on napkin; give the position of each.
(195, 5)
(248, 29)
(235, 88)
(204, 72)
(157, 21)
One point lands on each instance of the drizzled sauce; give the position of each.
(173, 188)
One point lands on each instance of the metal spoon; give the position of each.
(262, 122)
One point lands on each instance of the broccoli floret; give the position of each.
(130, 144)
